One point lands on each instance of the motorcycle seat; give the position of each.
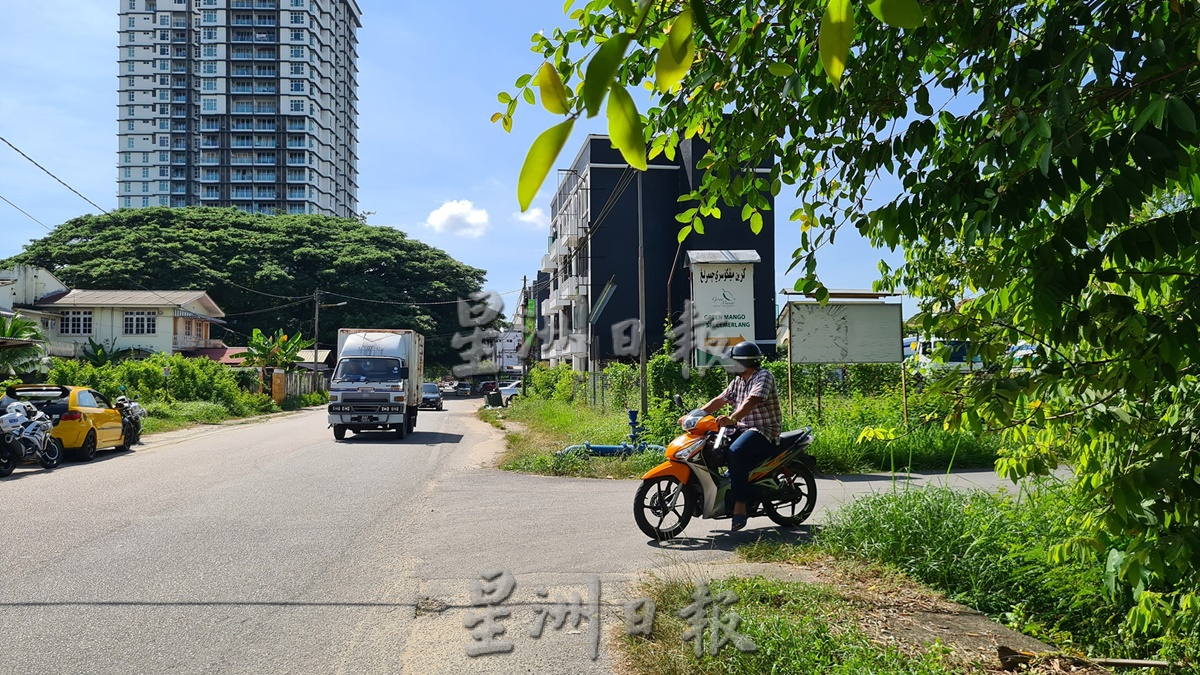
(788, 438)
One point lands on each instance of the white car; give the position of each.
(509, 391)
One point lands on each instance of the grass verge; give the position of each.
(796, 628)
(545, 427)
(990, 552)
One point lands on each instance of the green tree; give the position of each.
(1025, 139)
(17, 360)
(226, 252)
(100, 354)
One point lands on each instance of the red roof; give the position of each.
(220, 354)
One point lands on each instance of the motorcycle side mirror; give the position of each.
(678, 401)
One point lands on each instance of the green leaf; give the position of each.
(541, 157)
(897, 13)
(503, 97)
(625, 128)
(1044, 160)
(624, 6)
(780, 68)
(837, 30)
(675, 56)
(756, 222)
(701, 17)
(550, 86)
(601, 71)
(683, 233)
(1182, 115)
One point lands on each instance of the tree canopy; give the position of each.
(237, 257)
(1045, 158)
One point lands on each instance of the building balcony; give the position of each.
(190, 342)
(558, 250)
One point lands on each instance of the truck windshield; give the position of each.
(367, 368)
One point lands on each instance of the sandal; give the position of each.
(738, 521)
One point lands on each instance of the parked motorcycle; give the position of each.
(692, 481)
(131, 419)
(26, 435)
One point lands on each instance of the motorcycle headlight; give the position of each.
(689, 449)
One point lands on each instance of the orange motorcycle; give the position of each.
(692, 482)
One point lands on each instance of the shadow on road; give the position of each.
(728, 541)
(29, 470)
(417, 437)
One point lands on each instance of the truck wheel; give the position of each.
(339, 432)
(402, 431)
(412, 422)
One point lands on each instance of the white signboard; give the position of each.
(723, 294)
(847, 332)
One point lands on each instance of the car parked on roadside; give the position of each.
(431, 396)
(488, 387)
(463, 388)
(84, 420)
(509, 391)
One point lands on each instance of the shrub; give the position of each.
(622, 380)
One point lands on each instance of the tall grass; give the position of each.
(922, 446)
(989, 551)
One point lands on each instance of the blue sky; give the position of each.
(431, 163)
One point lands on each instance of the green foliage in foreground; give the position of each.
(1047, 188)
(797, 628)
(990, 552)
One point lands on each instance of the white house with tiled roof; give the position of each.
(145, 321)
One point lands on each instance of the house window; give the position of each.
(209, 104)
(76, 322)
(297, 106)
(187, 327)
(141, 322)
(49, 325)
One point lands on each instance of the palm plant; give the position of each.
(274, 351)
(99, 354)
(25, 358)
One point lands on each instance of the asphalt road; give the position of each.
(271, 548)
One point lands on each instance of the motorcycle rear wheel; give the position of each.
(52, 455)
(797, 497)
(8, 463)
(662, 507)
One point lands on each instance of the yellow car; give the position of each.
(84, 420)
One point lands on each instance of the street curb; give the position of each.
(200, 429)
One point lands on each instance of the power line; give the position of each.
(171, 252)
(165, 299)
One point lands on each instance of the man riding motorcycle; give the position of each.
(756, 412)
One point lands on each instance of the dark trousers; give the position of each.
(748, 450)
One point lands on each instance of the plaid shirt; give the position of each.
(766, 417)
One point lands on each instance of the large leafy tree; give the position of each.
(1045, 158)
(236, 257)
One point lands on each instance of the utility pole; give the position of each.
(524, 338)
(316, 329)
(641, 298)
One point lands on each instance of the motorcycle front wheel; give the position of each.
(52, 455)
(8, 462)
(662, 507)
(793, 503)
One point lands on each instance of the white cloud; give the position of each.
(535, 218)
(458, 217)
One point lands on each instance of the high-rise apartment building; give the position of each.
(244, 103)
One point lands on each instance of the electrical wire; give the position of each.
(168, 250)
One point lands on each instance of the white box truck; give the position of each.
(377, 381)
